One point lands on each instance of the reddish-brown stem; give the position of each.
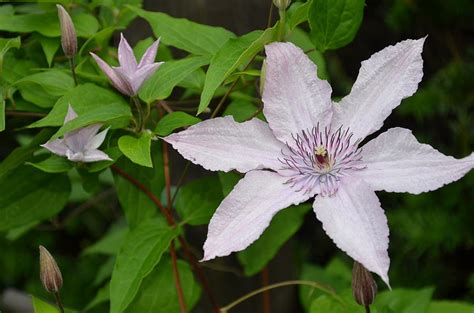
(177, 281)
(169, 218)
(174, 262)
(266, 293)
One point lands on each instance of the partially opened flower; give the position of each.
(129, 76)
(80, 145)
(310, 147)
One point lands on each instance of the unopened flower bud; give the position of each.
(68, 33)
(50, 274)
(364, 287)
(281, 4)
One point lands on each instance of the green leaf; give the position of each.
(2, 115)
(102, 296)
(41, 306)
(139, 254)
(160, 85)
(53, 164)
(185, 35)
(110, 243)
(237, 52)
(158, 292)
(297, 14)
(50, 46)
(450, 306)
(173, 121)
(137, 149)
(5, 45)
(21, 154)
(54, 82)
(228, 181)
(404, 300)
(327, 303)
(47, 24)
(282, 227)
(198, 200)
(136, 205)
(241, 110)
(302, 40)
(30, 195)
(334, 23)
(327, 276)
(93, 104)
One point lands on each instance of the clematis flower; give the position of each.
(129, 76)
(311, 147)
(80, 145)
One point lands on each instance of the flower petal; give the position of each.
(117, 81)
(357, 224)
(126, 57)
(221, 144)
(77, 140)
(243, 216)
(143, 74)
(95, 155)
(397, 162)
(294, 97)
(384, 80)
(97, 140)
(150, 54)
(57, 147)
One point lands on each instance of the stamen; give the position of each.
(316, 161)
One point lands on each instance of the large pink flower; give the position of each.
(310, 147)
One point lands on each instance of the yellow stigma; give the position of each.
(320, 151)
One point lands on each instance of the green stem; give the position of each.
(58, 302)
(278, 285)
(138, 106)
(282, 25)
(73, 70)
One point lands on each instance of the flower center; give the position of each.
(317, 160)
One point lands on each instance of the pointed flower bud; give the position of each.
(50, 274)
(364, 287)
(68, 33)
(281, 4)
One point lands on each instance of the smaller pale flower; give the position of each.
(130, 76)
(80, 145)
(311, 147)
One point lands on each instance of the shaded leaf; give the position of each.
(29, 195)
(173, 121)
(139, 254)
(334, 23)
(184, 34)
(198, 200)
(160, 85)
(284, 225)
(149, 300)
(235, 53)
(53, 164)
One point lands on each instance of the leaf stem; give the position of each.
(270, 14)
(282, 26)
(219, 105)
(73, 70)
(169, 219)
(58, 302)
(278, 285)
(138, 106)
(367, 309)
